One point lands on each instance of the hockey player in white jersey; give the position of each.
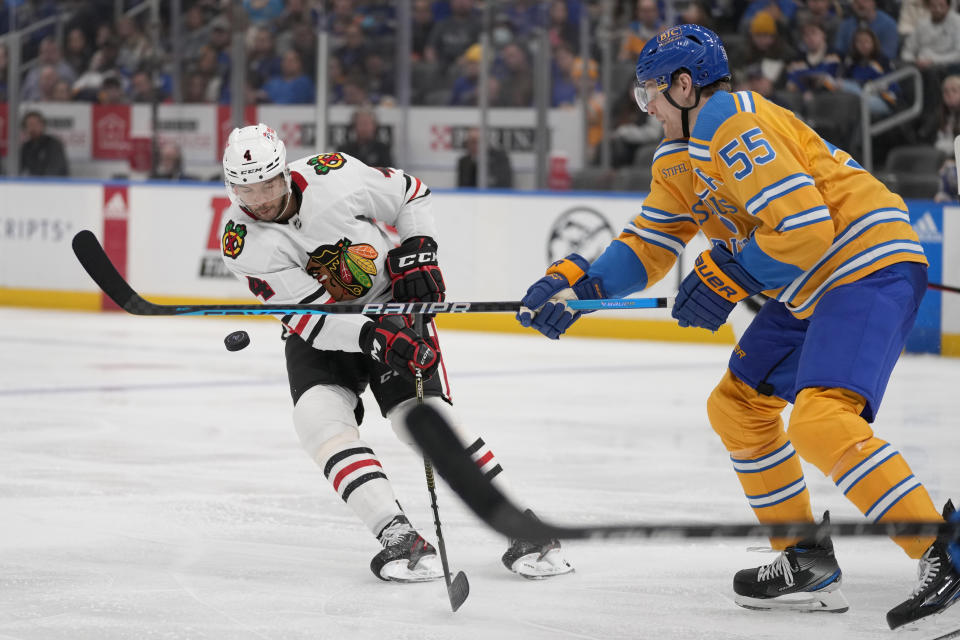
(313, 232)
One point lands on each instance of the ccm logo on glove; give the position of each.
(429, 257)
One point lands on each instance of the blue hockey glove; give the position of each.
(543, 305)
(710, 292)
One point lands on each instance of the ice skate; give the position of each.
(406, 556)
(536, 559)
(939, 585)
(806, 577)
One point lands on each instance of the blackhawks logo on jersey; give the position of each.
(324, 164)
(344, 269)
(232, 240)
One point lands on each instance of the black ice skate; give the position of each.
(406, 556)
(939, 583)
(535, 559)
(806, 577)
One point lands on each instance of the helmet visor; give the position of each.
(257, 193)
(644, 92)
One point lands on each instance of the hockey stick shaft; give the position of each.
(457, 588)
(943, 287)
(437, 440)
(95, 261)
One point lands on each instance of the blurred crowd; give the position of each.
(812, 56)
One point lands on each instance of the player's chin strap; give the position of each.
(684, 111)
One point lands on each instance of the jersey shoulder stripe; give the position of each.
(778, 189)
(669, 147)
(719, 108)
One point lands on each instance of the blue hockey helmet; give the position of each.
(686, 46)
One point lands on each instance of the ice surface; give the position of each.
(152, 486)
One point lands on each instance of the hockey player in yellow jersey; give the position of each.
(795, 218)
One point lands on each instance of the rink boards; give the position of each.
(165, 238)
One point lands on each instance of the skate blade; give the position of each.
(426, 570)
(534, 567)
(807, 601)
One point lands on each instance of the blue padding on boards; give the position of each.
(927, 220)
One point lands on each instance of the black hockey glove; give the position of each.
(414, 273)
(392, 341)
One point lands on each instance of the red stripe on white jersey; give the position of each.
(416, 190)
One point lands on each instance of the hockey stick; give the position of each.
(94, 259)
(438, 441)
(459, 588)
(943, 287)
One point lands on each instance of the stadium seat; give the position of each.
(592, 179)
(636, 178)
(913, 170)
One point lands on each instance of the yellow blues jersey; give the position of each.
(800, 215)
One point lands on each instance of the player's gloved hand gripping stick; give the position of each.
(546, 306)
(710, 292)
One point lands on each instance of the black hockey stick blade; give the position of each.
(458, 590)
(96, 263)
(94, 259)
(943, 287)
(453, 463)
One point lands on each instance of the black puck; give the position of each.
(236, 341)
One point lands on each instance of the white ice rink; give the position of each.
(152, 486)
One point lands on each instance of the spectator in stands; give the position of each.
(522, 16)
(111, 90)
(422, 24)
(134, 48)
(169, 165)
(354, 48)
(355, 92)
(697, 12)
(362, 141)
(49, 56)
(499, 170)
(143, 89)
(379, 78)
(764, 49)
(865, 12)
(515, 75)
(934, 48)
(78, 51)
(42, 80)
(940, 132)
(948, 182)
(782, 12)
(826, 13)
(61, 92)
(816, 69)
(566, 76)
(293, 87)
(911, 11)
(340, 18)
(451, 36)
(263, 12)
(194, 88)
(262, 58)
(646, 24)
(466, 86)
(195, 32)
(866, 62)
(41, 154)
(303, 40)
(294, 12)
(560, 28)
(217, 74)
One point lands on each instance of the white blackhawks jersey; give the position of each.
(334, 249)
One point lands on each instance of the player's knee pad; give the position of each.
(398, 418)
(825, 423)
(745, 420)
(324, 420)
